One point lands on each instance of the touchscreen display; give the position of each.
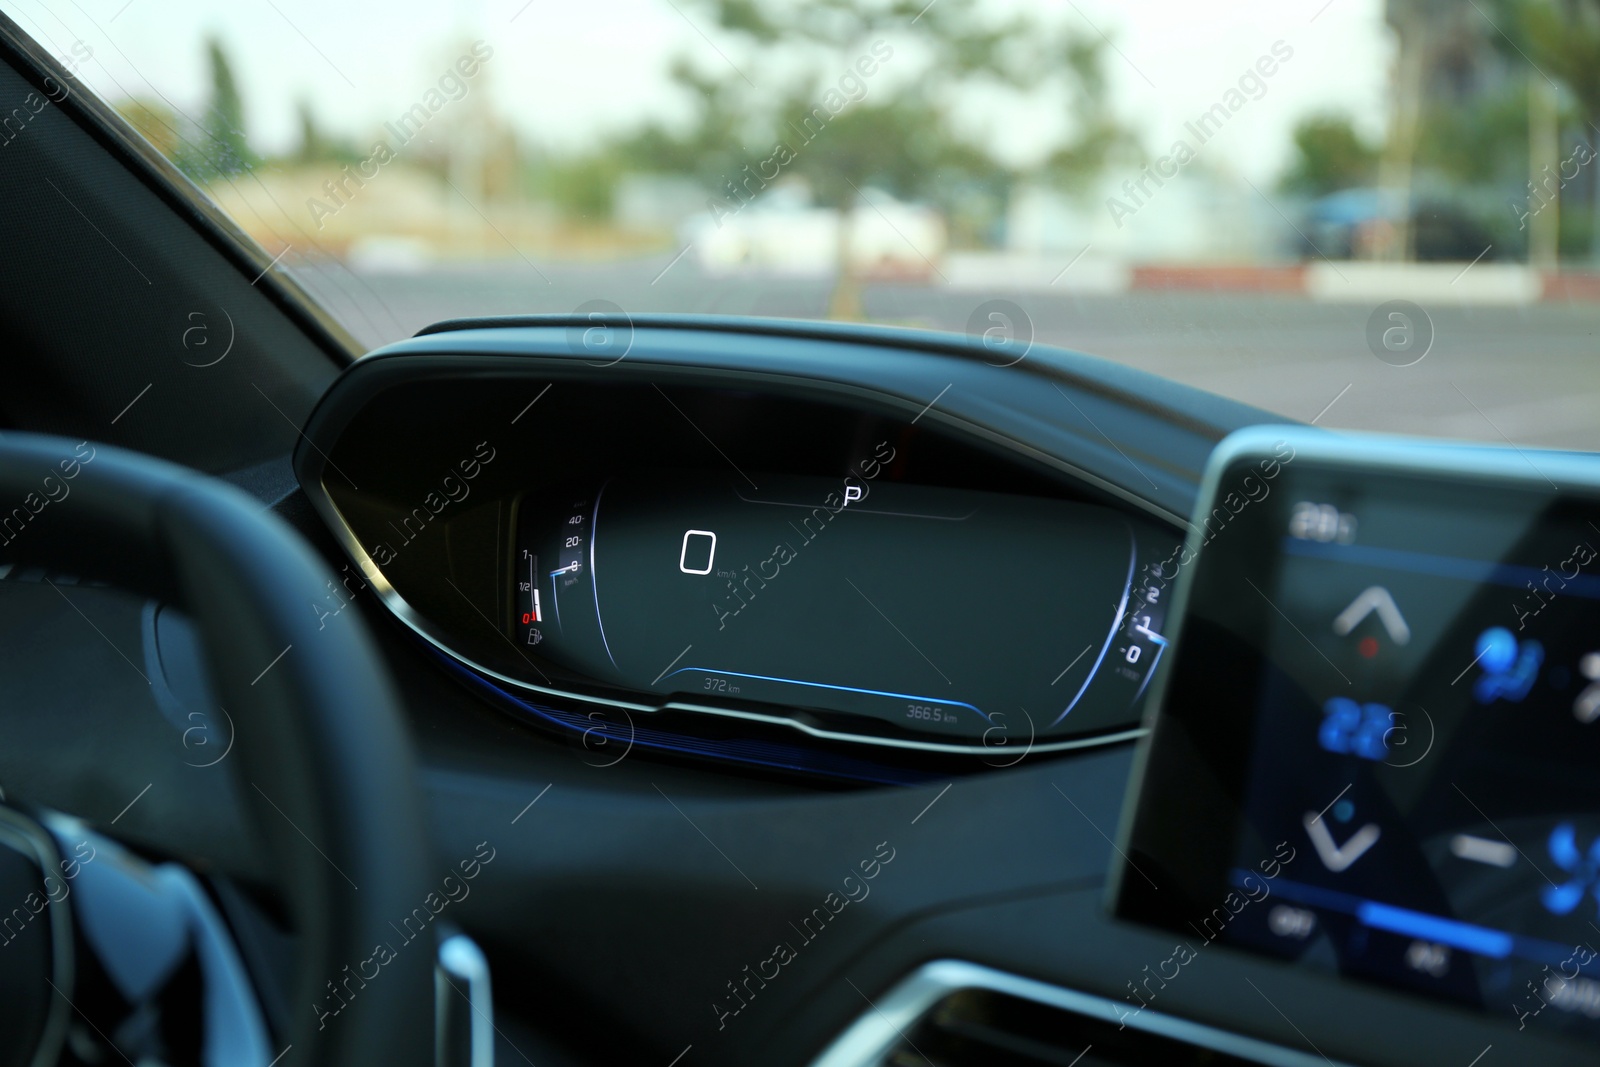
(1387, 687)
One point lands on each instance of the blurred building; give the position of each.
(656, 201)
(1204, 215)
(782, 232)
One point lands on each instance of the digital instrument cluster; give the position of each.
(858, 605)
(1386, 685)
(741, 563)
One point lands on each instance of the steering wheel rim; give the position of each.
(320, 747)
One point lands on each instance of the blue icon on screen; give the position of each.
(1584, 868)
(1352, 729)
(1509, 667)
(1497, 650)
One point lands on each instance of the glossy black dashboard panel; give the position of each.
(778, 561)
(1375, 751)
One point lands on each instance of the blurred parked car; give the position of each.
(1364, 223)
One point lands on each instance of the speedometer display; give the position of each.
(538, 593)
(870, 607)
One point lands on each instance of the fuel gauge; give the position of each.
(556, 608)
(529, 600)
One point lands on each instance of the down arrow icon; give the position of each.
(1338, 858)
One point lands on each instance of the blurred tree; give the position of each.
(229, 150)
(1564, 39)
(314, 144)
(583, 187)
(155, 122)
(1329, 155)
(173, 134)
(881, 93)
(1481, 141)
(1560, 39)
(317, 145)
(709, 148)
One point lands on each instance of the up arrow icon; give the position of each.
(1374, 598)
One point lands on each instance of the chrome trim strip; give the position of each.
(460, 959)
(417, 623)
(871, 1037)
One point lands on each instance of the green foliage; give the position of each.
(1561, 38)
(1576, 239)
(1483, 141)
(896, 128)
(316, 145)
(228, 151)
(155, 122)
(1329, 155)
(582, 187)
(897, 145)
(713, 148)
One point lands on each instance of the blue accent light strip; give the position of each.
(1316, 896)
(1116, 624)
(748, 751)
(1483, 940)
(1480, 939)
(825, 685)
(594, 578)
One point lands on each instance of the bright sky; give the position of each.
(562, 71)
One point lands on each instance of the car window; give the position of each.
(1363, 214)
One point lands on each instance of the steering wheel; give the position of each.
(318, 733)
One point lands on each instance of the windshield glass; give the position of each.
(1369, 214)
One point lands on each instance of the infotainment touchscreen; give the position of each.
(1376, 748)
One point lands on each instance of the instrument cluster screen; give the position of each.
(867, 606)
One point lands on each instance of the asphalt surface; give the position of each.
(1528, 376)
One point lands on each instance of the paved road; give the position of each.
(1529, 375)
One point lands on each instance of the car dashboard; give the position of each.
(865, 593)
(855, 696)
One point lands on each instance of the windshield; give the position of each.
(1375, 215)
